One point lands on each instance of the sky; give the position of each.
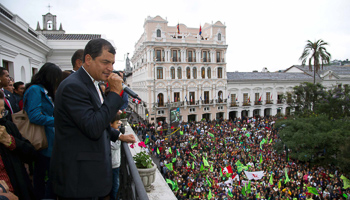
(259, 33)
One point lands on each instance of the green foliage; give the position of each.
(123, 115)
(316, 52)
(335, 103)
(143, 160)
(316, 139)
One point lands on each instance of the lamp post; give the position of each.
(154, 90)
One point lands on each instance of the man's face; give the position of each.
(9, 87)
(5, 79)
(20, 90)
(101, 67)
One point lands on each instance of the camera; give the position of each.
(122, 128)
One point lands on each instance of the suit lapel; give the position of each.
(90, 85)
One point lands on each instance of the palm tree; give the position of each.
(316, 52)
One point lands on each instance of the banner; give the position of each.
(254, 175)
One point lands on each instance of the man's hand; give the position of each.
(115, 83)
(129, 138)
(4, 136)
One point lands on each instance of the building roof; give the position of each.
(339, 70)
(244, 76)
(72, 36)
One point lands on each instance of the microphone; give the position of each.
(126, 88)
(130, 92)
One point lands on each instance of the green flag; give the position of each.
(261, 159)
(312, 190)
(177, 152)
(192, 155)
(174, 160)
(248, 190)
(230, 193)
(345, 181)
(287, 178)
(188, 164)
(238, 163)
(344, 195)
(211, 168)
(247, 134)
(244, 129)
(181, 132)
(209, 195)
(209, 183)
(172, 183)
(234, 129)
(147, 140)
(192, 165)
(243, 191)
(205, 162)
(279, 184)
(169, 166)
(211, 135)
(271, 179)
(193, 146)
(270, 141)
(202, 168)
(240, 137)
(158, 151)
(170, 151)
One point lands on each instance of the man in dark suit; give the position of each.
(10, 102)
(81, 156)
(77, 60)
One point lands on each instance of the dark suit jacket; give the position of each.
(10, 98)
(81, 157)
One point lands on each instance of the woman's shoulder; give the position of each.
(35, 87)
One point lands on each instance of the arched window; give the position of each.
(160, 100)
(194, 73)
(209, 72)
(220, 72)
(159, 33)
(188, 72)
(179, 73)
(172, 72)
(219, 36)
(203, 73)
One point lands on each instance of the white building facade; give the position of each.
(24, 50)
(176, 67)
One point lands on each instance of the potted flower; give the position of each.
(123, 117)
(145, 166)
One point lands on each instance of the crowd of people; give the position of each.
(80, 124)
(197, 160)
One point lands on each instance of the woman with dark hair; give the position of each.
(38, 103)
(14, 151)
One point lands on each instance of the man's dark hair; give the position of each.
(78, 55)
(95, 47)
(49, 76)
(17, 84)
(2, 69)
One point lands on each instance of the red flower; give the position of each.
(132, 145)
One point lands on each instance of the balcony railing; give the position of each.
(175, 59)
(246, 103)
(131, 186)
(191, 59)
(205, 59)
(159, 59)
(220, 100)
(279, 101)
(220, 60)
(269, 102)
(257, 103)
(234, 104)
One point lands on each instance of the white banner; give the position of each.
(254, 175)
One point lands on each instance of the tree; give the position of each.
(316, 139)
(317, 53)
(305, 98)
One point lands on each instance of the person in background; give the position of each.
(9, 100)
(14, 151)
(77, 60)
(10, 85)
(115, 150)
(38, 101)
(18, 93)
